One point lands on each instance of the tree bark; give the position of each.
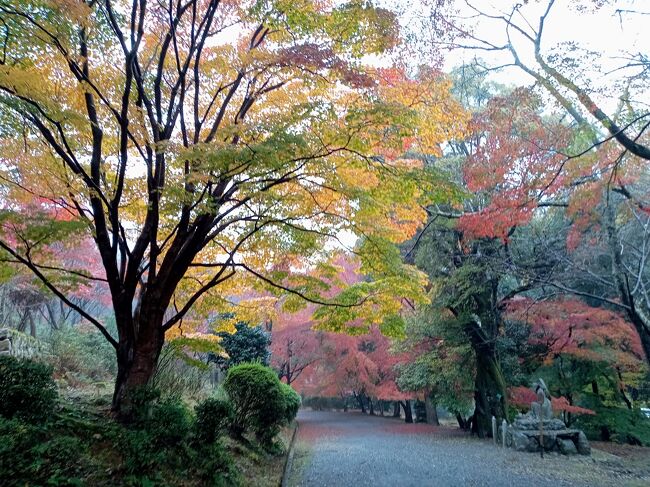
(396, 411)
(489, 390)
(371, 407)
(430, 407)
(408, 414)
(636, 315)
(137, 358)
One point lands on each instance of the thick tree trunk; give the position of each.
(408, 414)
(430, 407)
(137, 358)
(489, 385)
(371, 407)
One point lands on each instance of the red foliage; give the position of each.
(334, 364)
(569, 326)
(523, 397)
(522, 160)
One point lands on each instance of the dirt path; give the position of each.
(351, 449)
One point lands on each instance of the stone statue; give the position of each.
(538, 429)
(541, 409)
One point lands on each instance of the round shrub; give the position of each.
(27, 390)
(213, 417)
(291, 402)
(169, 424)
(261, 403)
(256, 397)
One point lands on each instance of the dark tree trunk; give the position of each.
(642, 328)
(371, 407)
(489, 387)
(639, 319)
(462, 422)
(408, 414)
(362, 405)
(430, 407)
(396, 411)
(594, 389)
(137, 358)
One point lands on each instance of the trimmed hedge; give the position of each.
(27, 390)
(261, 403)
(213, 417)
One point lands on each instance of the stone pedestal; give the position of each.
(523, 435)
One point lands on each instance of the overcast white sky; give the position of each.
(610, 31)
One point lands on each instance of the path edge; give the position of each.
(289, 459)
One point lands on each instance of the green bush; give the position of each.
(261, 403)
(169, 424)
(617, 424)
(29, 455)
(213, 416)
(27, 390)
(252, 389)
(291, 402)
(215, 466)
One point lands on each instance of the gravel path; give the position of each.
(341, 449)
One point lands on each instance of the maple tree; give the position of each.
(581, 152)
(361, 366)
(357, 360)
(30, 301)
(212, 149)
(581, 346)
(295, 346)
(526, 175)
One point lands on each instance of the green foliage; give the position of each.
(170, 423)
(617, 424)
(440, 361)
(81, 357)
(251, 388)
(186, 348)
(213, 416)
(247, 344)
(291, 402)
(31, 456)
(261, 403)
(27, 390)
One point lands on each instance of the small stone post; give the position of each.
(504, 430)
(494, 430)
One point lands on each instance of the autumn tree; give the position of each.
(599, 171)
(436, 361)
(206, 146)
(581, 347)
(295, 345)
(514, 35)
